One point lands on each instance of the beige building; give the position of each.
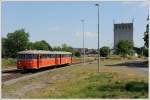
(123, 31)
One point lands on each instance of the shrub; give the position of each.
(135, 86)
(8, 62)
(77, 54)
(104, 51)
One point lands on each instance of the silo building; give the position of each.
(123, 31)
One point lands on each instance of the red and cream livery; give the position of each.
(35, 59)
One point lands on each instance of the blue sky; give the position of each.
(60, 22)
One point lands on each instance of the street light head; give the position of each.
(96, 4)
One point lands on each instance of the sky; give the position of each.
(60, 22)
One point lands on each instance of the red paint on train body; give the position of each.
(35, 59)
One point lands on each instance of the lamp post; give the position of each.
(97, 5)
(83, 40)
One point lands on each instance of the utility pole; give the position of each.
(98, 38)
(83, 40)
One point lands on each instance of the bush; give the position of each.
(8, 62)
(135, 86)
(145, 52)
(77, 54)
(124, 48)
(104, 51)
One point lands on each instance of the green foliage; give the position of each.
(57, 48)
(145, 52)
(4, 48)
(16, 41)
(30, 46)
(138, 50)
(8, 62)
(104, 51)
(64, 47)
(124, 48)
(67, 48)
(77, 53)
(19, 41)
(44, 42)
(146, 34)
(102, 85)
(146, 39)
(135, 86)
(41, 45)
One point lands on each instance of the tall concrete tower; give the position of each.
(123, 31)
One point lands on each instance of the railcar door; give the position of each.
(57, 59)
(38, 60)
(71, 57)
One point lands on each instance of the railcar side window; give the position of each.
(46, 56)
(54, 56)
(67, 55)
(34, 56)
(21, 56)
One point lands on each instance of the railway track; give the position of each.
(16, 73)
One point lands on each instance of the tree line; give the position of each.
(19, 41)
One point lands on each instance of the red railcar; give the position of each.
(35, 59)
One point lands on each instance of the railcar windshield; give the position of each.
(27, 56)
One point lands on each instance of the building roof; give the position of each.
(123, 23)
(43, 52)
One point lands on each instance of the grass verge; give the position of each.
(82, 81)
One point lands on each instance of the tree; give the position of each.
(104, 51)
(4, 48)
(41, 45)
(124, 48)
(57, 48)
(137, 50)
(30, 46)
(16, 41)
(65, 47)
(77, 53)
(145, 52)
(146, 34)
(44, 42)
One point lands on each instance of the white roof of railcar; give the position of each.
(43, 52)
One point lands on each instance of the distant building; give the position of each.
(123, 31)
(87, 51)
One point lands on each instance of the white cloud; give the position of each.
(87, 34)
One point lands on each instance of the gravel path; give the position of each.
(134, 64)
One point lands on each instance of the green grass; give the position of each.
(8, 63)
(83, 81)
(102, 85)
